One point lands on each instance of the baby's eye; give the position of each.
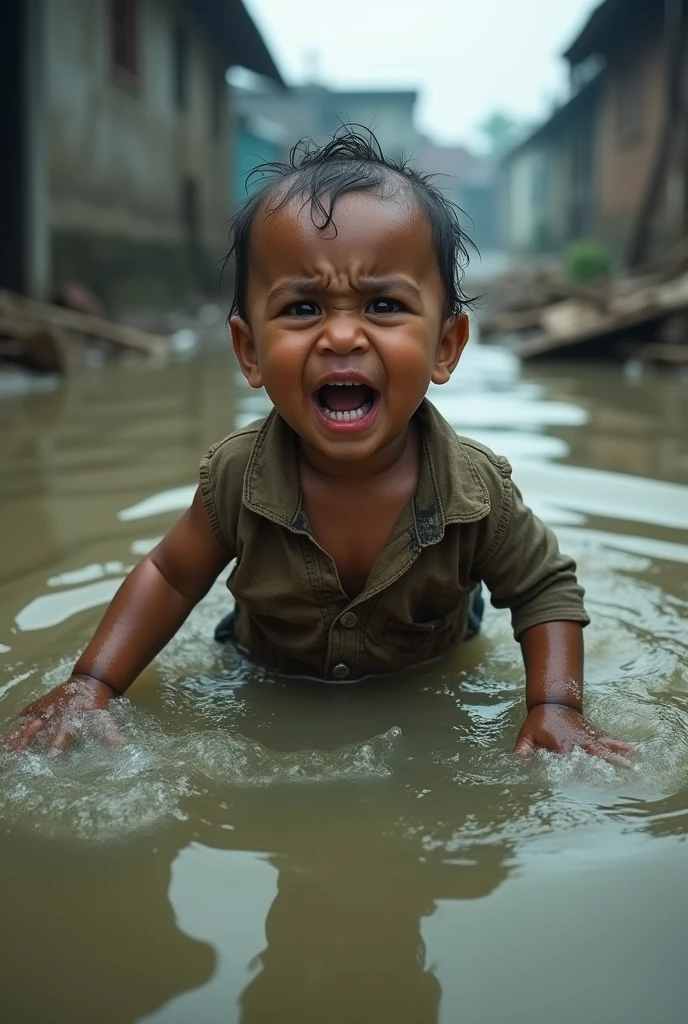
(383, 307)
(302, 309)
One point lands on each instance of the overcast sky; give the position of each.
(467, 57)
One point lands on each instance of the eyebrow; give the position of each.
(381, 285)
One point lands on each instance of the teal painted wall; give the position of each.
(250, 150)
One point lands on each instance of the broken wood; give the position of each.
(38, 348)
(571, 325)
(654, 305)
(511, 323)
(20, 308)
(657, 352)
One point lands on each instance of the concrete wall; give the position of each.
(522, 209)
(119, 154)
(537, 194)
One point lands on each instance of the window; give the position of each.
(124, 37)
(629, 106)
(181, 68)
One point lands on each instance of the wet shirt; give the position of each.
(466, 524)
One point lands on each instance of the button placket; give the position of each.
(344, 644)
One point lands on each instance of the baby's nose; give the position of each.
(342, 333)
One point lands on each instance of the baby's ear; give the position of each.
(452, 343)
(245, 351)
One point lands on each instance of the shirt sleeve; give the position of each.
(212, 486)
(524, 569)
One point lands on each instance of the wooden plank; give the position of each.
(658, 352)
(37, 348)
(45, 314)
(511, 323)
(606, 327)
(573, 323)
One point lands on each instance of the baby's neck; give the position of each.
(395, 457)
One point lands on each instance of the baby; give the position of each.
(361, 525)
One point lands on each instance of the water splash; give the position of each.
(97, 792)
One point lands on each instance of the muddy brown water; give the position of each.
(262, 853)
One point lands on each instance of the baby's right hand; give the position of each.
(58, 717)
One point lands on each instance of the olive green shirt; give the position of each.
(466, 523)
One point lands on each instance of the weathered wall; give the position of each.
(120, 153)
(625, 163)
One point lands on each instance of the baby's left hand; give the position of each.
(561, 729)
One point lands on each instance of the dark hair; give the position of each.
(350, 162)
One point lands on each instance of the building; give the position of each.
(255, 141)
(548, 181)
(640, 136)
(612, 162)
(314, 110)
(469, 181)
(116, 152)
(269, 123)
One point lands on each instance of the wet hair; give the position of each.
(319, 175)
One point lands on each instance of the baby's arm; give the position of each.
(553, 658)
(144, 615)
(527, 573)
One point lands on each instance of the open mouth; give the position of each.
(346, 401)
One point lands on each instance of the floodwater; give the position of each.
(261, 852)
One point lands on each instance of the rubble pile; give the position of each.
(641, 316)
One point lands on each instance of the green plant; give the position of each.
(586, 261)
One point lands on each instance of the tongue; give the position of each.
(344, 399)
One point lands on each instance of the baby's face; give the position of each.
(346, 328)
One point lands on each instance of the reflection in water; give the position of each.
(265, 852)
(359, 954)
(91, 934)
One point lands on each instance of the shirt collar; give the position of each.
(450, 489)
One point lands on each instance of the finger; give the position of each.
(620, 746)
(21, 740)
(617, 760)
(109, 732)
(62, 739)
(525, 746)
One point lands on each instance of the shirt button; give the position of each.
(340, 671)
(348, 620)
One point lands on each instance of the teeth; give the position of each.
(349, 415)
(347, 384)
